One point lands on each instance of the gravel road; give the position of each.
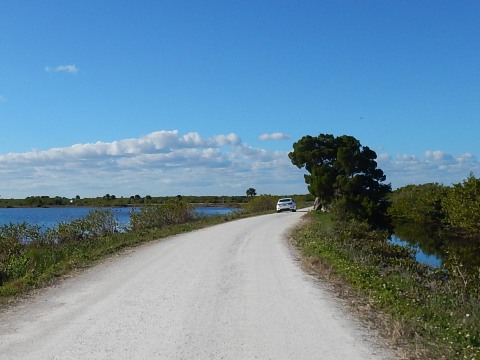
(232, 291)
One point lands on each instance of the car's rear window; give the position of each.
(284, 200)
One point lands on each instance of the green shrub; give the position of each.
(261, 203)
(13, 238)
(100, 223)
(95, 224)
(172, 212)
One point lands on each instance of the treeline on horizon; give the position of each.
(109, 200)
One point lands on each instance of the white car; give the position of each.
(286, 204)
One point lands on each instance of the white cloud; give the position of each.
(435, 166)
(383, 157)
(274, 136)
(160, 163)
(72, 69)
(438, 156)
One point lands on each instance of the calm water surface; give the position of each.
(49, 217)
(420, 255)
(438, 248)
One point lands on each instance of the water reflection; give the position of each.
(437, 248)
(422, 257)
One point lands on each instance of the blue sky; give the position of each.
(207, 97)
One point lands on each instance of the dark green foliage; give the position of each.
(343, 173)
(455, 209)
(251, 192)
(317, 155)
(41, 201)
(462, 207)
(419, 203)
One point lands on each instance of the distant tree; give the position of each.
(136, 199)
(148, 199)
(251, 192)
(34, 201)
(343, 173)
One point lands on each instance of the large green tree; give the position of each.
(343, 173)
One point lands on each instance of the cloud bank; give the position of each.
(160, 163)
(434, 166)
(169, 163)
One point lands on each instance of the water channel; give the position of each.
(436, 248)
(420, 255)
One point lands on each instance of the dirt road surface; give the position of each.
(232, 291)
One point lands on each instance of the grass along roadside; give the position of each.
(37, 265)
(422, 312)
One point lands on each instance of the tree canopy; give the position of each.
(251, 192)
(462, 206)
(343, 173)
(420, 203)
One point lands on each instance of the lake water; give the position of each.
(49, 217)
